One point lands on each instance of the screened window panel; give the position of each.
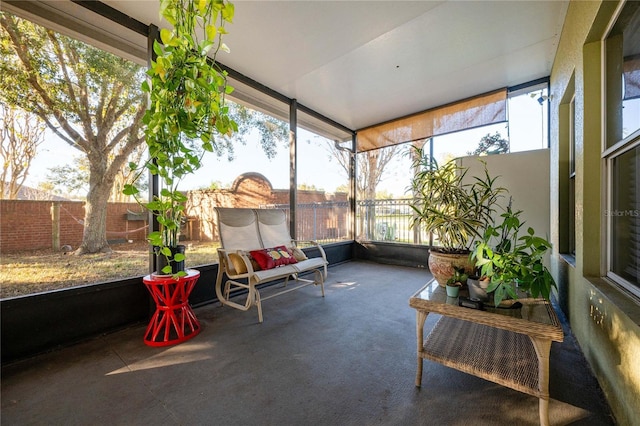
(625, 216)
(470, 113)
(631, 76)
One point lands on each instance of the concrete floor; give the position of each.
(347, 359)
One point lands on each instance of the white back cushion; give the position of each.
(238, 228)
(274, 227)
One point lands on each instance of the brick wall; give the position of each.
(252, 190)
(27, 224)
(124, 226)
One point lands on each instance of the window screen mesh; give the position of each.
(473, 112)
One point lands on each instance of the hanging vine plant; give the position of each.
(187, 91)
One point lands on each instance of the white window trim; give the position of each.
(608, 155)
(630, 142)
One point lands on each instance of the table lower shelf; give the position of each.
(501, 356)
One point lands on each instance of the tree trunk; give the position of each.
(94, 237)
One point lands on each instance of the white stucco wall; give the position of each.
(526, 177)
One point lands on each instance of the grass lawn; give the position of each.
(43, 270)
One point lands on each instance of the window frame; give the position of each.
(611, 150)
(571, 243)
(609, 156)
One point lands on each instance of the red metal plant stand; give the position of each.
(173, 321)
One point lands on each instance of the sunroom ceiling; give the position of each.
(365, 62)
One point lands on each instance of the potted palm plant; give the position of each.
(515, 263)
(453, 211)
(187, 91)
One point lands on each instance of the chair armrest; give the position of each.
(233, 268)
(314, 244)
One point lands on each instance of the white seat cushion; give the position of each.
(279, 272)
(309, 264)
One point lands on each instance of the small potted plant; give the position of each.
(515, 263)
(455, 212)
(456, 281)
(186, 110)
(477, 286)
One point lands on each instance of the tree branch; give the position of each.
(79, 103)
(23, 54)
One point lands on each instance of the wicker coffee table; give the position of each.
(506, 346)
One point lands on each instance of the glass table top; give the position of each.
(525, 310)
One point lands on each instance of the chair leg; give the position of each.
(319, 280)
(227, 290)
(258, 305)
(218, 287)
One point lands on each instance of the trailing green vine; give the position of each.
(187, 91)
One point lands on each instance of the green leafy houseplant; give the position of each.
(456, 281)
(514, 261)
(454, 211)
(459, 277)
(186, 109)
